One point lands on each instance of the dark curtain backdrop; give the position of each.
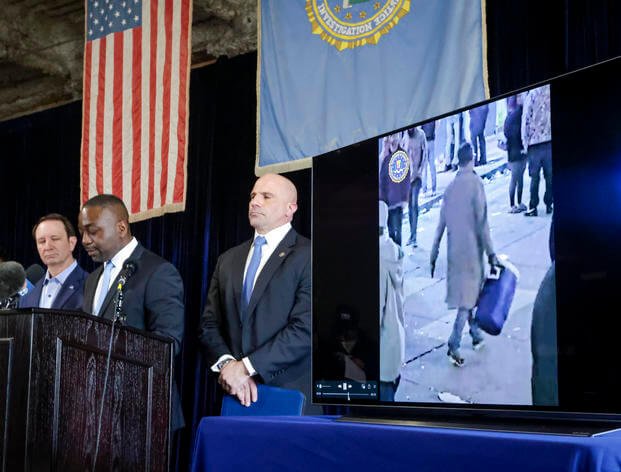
(533, 40)
(40, 155)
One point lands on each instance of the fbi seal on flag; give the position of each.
(352, 23)
(398, 166)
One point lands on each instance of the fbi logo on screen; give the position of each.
(398, 166)
(352, 23)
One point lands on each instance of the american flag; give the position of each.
(135, 103)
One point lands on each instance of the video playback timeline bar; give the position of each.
(346, 389)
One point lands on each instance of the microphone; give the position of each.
(129, 269)
(12, 278)
(34, 273)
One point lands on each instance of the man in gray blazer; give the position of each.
(464, 215)
(256, 323)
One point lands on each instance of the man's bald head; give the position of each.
(288, 188)
(273, 201)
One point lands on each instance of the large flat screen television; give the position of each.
(540, 196)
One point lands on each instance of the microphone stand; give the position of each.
(118, 308)
(120, 318)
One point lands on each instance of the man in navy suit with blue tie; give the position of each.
(256, 326)
(62, 287)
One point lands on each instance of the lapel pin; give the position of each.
(70, 287)
(282, 254)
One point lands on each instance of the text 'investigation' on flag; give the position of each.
(335, 72)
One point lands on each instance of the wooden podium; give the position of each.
(52, 371)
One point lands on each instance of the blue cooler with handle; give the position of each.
(495, 299)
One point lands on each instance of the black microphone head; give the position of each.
(12, 278)
(34, 273)
(129, 267)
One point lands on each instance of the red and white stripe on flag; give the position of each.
(135, 103)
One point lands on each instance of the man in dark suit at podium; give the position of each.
(256, 324)
(63, 285)
(153, 294)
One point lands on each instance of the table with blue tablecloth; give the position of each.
(321, 443)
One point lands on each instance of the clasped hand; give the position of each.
(234, 379)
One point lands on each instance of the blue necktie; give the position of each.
(252, 271)
(105, 285)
